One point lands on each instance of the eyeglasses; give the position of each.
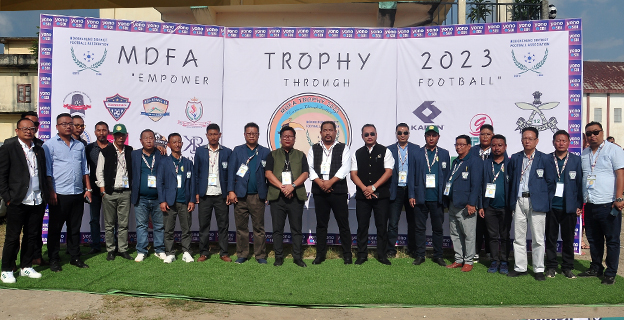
(252, 134)
(28, 129)
(372, 134)
(66, 124)
(288, 137)
(592, 133)
(528, 139)
(79, 125)
(402, 133)
(461, 145)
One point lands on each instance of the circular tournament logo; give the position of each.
(305, 112)
(477, 121)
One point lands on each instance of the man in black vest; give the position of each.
(329, 166)
(114, 175)
(373, 192)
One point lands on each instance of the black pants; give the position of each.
(363, 208)
(567, 221)
(396, 206)
(68, 210)
(421, 213)
(482, 235)
(498, 223)
(292, 209)
(324, 203)
(206, 204)
(27, 218)
(603, 227)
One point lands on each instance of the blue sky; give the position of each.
(603, 23)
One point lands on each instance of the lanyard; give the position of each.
(593, 166)
(455, 167)
(434, 158)
(122, 161)
(249, 159)
(176, 165)
(213, 160)
(484, 153)
(563, 167)
(502, 169)
(151, 168)
(401, 158)
(329, 151)
(524, 169)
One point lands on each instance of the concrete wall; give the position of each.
(602, 100)
(143, 14)
(8, 123)
(18, 47)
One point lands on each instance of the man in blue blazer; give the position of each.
(145, 162)
(462, 191)
(484, 151)
(247, 190)
(211, 177)
(176, 189)
(426, 194)
(566, 205)
(531, 186)
(399, 195)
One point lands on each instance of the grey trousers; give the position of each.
(463, 229)
(116, 207)
(525, 217)
(169, 217)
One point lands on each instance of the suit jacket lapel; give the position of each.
(21, 155)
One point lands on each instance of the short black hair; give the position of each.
(288, 128)
(368, 125)
(500, 136)
(486, 126)
(29, 113)
(532, 129)
(171, 135)
(62, 115)
(610, 137)
(77, 116)
(402, 124)
(144, 131)
(213, 126)
(252, 125)
(465, 137)
(328, 122)
(593, 123)
(23, 119)
(101, 123)
(563, 132)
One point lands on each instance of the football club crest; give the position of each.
(117, 106)
(465, 175)
(77, 102)
(572, 175)
(155, 108)
(194, 112)
(537, 109)
(540, 173)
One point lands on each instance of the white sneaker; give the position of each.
(139, 257)
(30, 272)
(7, 277)
(186, 257)
(160, 255)
(169, 259)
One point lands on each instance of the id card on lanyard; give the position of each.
(212, 176)
(490, 188)
(430, 178)
(242, 170)
(559, 189)
(402, 173)
(151, 178)
(447, 190)
(179, 169)
(591, 178)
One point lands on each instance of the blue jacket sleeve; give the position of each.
(475, 181)
(195, 173)
(579, 185)
(232, 171)
(160, 183)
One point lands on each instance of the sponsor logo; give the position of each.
(477, 121)
(193, 142)
(529, 62)
(155, 108)
(305, 112)
(426, 112)
(117, 106)
(77, 102)
(537, 109)
(194, 112)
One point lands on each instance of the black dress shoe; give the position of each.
(78, 263)
(514, 273)
(300, 263)
(608, 280)
(360, 261)
(539, 276)
(439, 261)
(125, 255)
(278, 262)
(385, 261)
(318, 260)
(94, 251)
(590, 273)
(110, 256)
(55, 266)
(348, 260)
(418, 261)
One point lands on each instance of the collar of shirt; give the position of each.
(24, 146)
(210, 149)
(529, 157)
(371, 148)
(330, 147)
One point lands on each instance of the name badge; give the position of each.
(447, 189)
(572, 175)
(286, 177)
(126, 182)
(540, 172)
(188, 175)
(402, 177)
(151, 181)
(591, 180)
(559, 190)
(490, 190)
(443, 164)
(224, 165)
(242, 170)
(179, 181)
(430, 181)
(325, 168)
(212, 179)
(465, 175)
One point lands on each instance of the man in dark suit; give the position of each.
(93, 153)
(24, 188)
(402, 151)
(531, 186)
(211, 178)
(484, 151)
(566, 205)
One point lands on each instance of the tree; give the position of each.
(479, 11)
(527, 10)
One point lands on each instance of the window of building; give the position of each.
(598, 114)
(23, 93)
(617, 115)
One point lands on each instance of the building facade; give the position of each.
(603, 96)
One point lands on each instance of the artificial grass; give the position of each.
(329, 284)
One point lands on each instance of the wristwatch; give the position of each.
(294, 185)
(619, 199)
(90, 190)
(374, 188)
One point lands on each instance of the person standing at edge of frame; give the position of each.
(484, 151)
(329, 162)
(371, 170)
(211, 179)
(247, 190)
(286, 170)
(404, 153)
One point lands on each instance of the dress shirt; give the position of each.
(66, 165)
(524, 179)
(403, 161)
(122, 170)
(388, 160)
(213, 168)
(33, 195)
(608, 158)
(327, 157)
(485, 153)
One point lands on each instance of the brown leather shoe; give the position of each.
(202, 258)
(226, 259)
(454, 265)
(466, 268)
(39, 262)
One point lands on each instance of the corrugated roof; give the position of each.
(603, 77)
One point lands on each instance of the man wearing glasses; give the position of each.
(404, 154)
(603, 185)
(462, 190)
(247, 190)
(79, 128)
(68, 174)
(371, 170)
(531, 187)
(32, 116)
(286, 171)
